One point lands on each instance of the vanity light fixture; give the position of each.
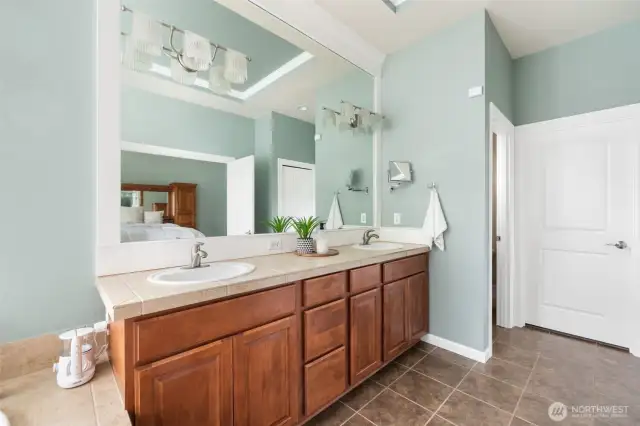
(352, 117)
(303, 108)
(141, 46)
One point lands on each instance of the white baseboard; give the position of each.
(474, 354)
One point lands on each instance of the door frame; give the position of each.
(627, 112)
(283, 162)
(508, 310)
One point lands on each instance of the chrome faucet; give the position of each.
(197, 254)
(368, 235)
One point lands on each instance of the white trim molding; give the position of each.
(164, 151)
(465, 351)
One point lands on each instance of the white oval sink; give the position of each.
(379, 246)
(219, 271)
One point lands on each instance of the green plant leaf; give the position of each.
(279, 224)
(305, 226)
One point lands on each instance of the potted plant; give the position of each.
(305, 226)
(279, 224)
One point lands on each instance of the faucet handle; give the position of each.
(198, 244)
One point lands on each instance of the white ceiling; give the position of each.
(525, 26)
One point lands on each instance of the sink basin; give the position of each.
(379, 246)
(218, 271)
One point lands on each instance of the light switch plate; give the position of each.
(363, 218)
(397, 218)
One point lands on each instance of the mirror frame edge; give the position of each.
(112, 256)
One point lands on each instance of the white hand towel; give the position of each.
(146, 34)
(434, 222)
(334, 221)
(235, 67)
(196, 51)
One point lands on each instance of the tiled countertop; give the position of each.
(131, 295)
(36, 400)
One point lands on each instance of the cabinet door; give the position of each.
(366, 332)
(267, 375)
(395, 335)
(194, 388)
(418, 306)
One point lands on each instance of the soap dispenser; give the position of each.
(322, 243)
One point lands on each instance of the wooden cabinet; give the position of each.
(194, 388)
(405, 313)
(418, 306)
(365, 336)
(273, 357)
(266, 365)
(182, 204)
(325, 328)
(395, 335)
(325, 379)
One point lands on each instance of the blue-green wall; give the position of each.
(158, 120)
(340, 152)
(47, 157)
(214, 21)
(211, 178)
(434, 124)
(277, 136)
(596, 72)
(499, 72)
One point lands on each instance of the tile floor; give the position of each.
(529, 370)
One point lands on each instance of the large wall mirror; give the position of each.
(274, 125)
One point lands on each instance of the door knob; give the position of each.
(621, 245)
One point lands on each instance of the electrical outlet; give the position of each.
(275, 245)
(397, 218)
(363, 218)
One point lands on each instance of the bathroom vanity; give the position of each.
(276, 355)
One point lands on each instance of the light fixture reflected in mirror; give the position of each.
(352, 117)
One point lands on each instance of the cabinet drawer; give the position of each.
(362, 279)
(325, 379)
(324, 289)
(399, 269)
(325, 328)
(165, 335)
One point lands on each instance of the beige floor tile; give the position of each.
(36, 400)
(535, 409)
(358, 420)
(109, 409)
(28, 356)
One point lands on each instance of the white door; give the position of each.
(241, 196)
(296, 189)
(576, 196)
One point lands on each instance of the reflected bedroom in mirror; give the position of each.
(231, 118)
